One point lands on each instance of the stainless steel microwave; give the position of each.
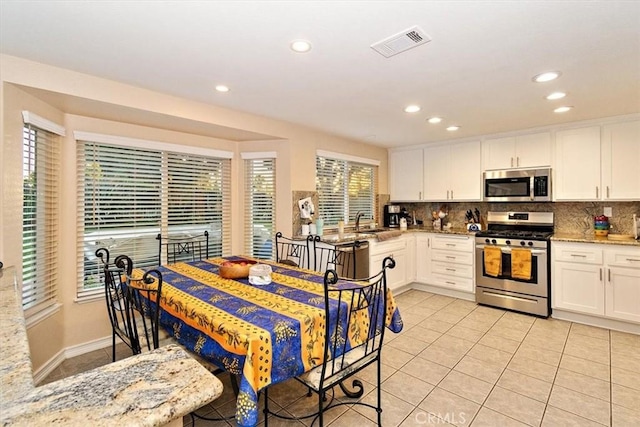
(518, 185)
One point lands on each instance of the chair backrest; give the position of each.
(183, 248)
(355, 325)
(144, 296)
(121, 313)
(292, 252)
(341, 258)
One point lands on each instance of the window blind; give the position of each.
(344, 189)
(127, 195)
(260, 201)
(199, 190)
(40, 172)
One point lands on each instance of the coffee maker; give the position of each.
(391, 216)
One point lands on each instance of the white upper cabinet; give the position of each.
(588, 168)
(621, 161)
(453, 172)
(405, 175)
(577, 171)
(524, 151)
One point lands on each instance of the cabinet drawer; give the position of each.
(623, 257)
(453, 243)
(584, 254)
(465, 258)
(458, 283)
(395, 245)
(449, 269)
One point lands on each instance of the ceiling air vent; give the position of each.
(401, 42)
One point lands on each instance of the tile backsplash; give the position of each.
(569, 217)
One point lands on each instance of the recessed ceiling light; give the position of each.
(434, 120)
(222, 88)
(300, 46)
(556, 95)
(412, 109)
(453, 128)
(546, 77)
(562, 109)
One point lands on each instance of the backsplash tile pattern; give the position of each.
(569, 217)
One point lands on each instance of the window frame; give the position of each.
(249, 164)
(347, 162)
(164, 151)
(43, 164)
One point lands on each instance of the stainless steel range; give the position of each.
(523, 287)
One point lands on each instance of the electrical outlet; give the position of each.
(608, 211)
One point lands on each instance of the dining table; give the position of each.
(264, 334)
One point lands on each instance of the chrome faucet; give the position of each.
(358, 216)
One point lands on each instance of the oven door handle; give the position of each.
(508, 250)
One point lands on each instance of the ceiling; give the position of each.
(476, 72)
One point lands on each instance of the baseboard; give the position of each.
(615, 325)
(48, 367)
(444, 291)
(66, 353)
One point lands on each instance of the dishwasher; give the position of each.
(354, 259)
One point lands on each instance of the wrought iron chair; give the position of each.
(121, 313)
(183, 248)
(355, 324)
(292, 252)
(341, 258)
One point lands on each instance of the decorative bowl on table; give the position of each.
(235, 269)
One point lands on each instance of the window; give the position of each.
(260, 202)
(40, 174)
(127, 195)
(345, 187)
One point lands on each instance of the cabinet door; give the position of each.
(498, 153)
(405, 175)
(437, 173)
(621, 161)
(465, 172)
(577, 173)
(533, 150)
(623, 293)
(411, 258)
(423, 258)
(578, 287)
(396, 276)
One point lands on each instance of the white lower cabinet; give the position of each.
(423, 257)
(395, 248)
(601, 280)
(445, 260)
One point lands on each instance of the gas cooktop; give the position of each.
(516, 234)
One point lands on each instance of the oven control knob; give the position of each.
(486, 240)
(522, 243)
(530, 243)
(508, 242)
(493, 241)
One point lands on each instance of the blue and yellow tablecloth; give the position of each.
(266, 334)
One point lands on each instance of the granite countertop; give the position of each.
(150, 389)
(591, 238)
(350, 236)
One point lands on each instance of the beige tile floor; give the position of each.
(457, 363)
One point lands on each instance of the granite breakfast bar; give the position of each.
(151, 389)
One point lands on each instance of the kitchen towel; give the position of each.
(492, 261)
(521, 263)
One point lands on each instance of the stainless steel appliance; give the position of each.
(508, 230)
(519, 185)
(391, 216)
